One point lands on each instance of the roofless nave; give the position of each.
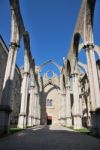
(71, 99)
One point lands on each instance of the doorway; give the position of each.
(49, 120)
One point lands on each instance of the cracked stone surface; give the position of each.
(49, 138)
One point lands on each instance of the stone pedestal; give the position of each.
(88, 121)
(95, 120)
(63, 121)
(77, 122)
(30, 121)
(98, 122)
(68, 121)
(21, 121)
(34, 121)
(4, 118)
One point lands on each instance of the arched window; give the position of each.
(49, 102)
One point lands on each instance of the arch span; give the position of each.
(50, 83)
(49, 62)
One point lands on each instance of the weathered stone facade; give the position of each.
(16, 96)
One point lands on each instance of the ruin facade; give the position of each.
(70, 99)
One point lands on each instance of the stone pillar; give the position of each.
(81, 106)
(76, 105)
(62, 103)
(98, 73)
(23, 108)
(40, 82)
(30, 119)
(68, 106)
(81, 99)
(31, 106)
(25, 85)
(89, 116)
(5, 108)
(36, 111)
(63, 109)
(94, 88)
(93, 78)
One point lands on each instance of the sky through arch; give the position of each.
(50, 24)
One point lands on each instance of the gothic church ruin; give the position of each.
(70, 99)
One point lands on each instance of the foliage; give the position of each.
(14, 130)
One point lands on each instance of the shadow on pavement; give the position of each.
(49, 138)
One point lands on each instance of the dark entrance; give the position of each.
(49, 120)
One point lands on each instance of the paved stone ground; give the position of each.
(49, 138)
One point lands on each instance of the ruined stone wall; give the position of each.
(3, 60)
(16, 96)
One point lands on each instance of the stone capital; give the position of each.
(77, 115)
(32, 86)
(22, 114)
(74, 74)
(26, 73)
(5, 108)
(89, 46)
(31, 116)
(14, 44)
(67, 86)
(36, 93)
(68, 117)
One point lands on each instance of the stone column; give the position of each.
(68, 105)
(63, 109)
(81, 106)
(35, 112)
(76, 105)
(98, 73)
(5, 108)
(89, 116)
(31, 104)
(62, 103)
(80, 100)
(25, 85)
(23, 109)
(94, 88)
(40, 82)
(93, 78)
(38, 109)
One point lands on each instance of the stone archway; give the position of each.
(51, 99)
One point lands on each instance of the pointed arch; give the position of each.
(50, 83)
(68, 67)
(50, 62)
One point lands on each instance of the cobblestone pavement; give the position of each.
(49, 138)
